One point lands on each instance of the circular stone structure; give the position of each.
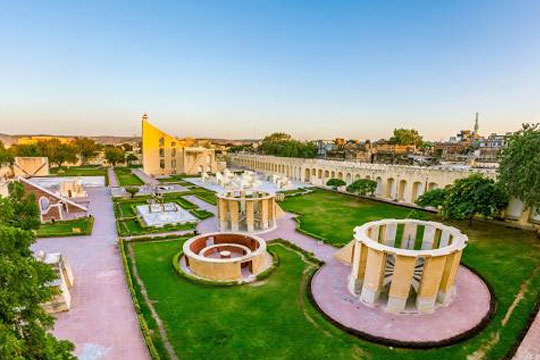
(251, 211)
(225, 256)
(406, 265)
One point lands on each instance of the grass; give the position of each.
(506, 257)
(133, 227)
(86, 170)
(65, 228)
(126, 177)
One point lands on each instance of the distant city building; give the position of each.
(163, 154)
(30, 140)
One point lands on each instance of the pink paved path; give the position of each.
(102, 321)
(529, 349)
(113, 180)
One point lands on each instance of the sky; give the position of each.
(244, 69)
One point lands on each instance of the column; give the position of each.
(271, 212)
(429, 283)
(264, 214)
(233, 208)
(374, 275)
(429, 237)
(389, 238)
(401, 283)
(358, 269)
(448, 277)
(222, 214)
(250, 221)
(409, 236)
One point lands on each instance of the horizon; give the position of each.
(245, 70)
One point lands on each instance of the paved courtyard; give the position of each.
(102, 322)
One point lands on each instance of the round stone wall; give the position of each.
(250, 211)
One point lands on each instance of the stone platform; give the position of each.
(467, 312)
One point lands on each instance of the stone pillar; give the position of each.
(429, 283)
(409, 236)
(374, 275)
(401, 283)
(390, 234)
(250, 221)
(448, 277)
(233, 209)
(264, 214)
(428, 238)
(445, 239)
(373, 233)
(271, 211)
(222, 214)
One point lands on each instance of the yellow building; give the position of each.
(30, 140)
(164, 154)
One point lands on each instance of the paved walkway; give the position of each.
(529, 349)
(113, 180)
(102, 322)
(144, 177)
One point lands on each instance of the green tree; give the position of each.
(434, 198)
(519, 169)
(281, 144)
(363, 187)
(57, 152)
(474, 195)
(406, 137)
(24, 150)
(132, 190)
(5, 156)
(130, 158)
(115, 155)
(335, 183)
(86, 148)
(19, 209)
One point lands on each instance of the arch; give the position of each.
(306, 175)
(326, 174)
(401, 190)
(357, 177)
(348, 178)
(432, 186)
(390, 191)
(319, 173)
(333, 174)
(313, 172)
(378, 191)
(368, 177)
(44, 203)
(340, 175)
(200, 169)
(417, 190)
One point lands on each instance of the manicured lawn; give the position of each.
(132, 226)
(275, 320)
(66, 228)
(126, 177)
(87, 170)
(506, 257)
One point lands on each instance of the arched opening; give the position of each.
(401, 190)
(333, 175)
(432, 186)
(306, 175)
(390, 191)
(326, 174)
(340, 175)
(357, 177)
(319, 175)
(348, 178)
(378, 191)
(417, 190)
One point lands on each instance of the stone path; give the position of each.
(102, 322)
(529, 349)
(113, 180)
(144, 177)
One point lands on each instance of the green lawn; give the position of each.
(132, 226)
(87, 170)
(126, 177)
(275, 320)
(66, 228)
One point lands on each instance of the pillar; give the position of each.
(401, 283)
(390, 234)
(429, 283)
(428, 238)
(264, 214)
(374, 275)
(409, 236)
(222, 214)
(233, 209)
(448, 277)
(250, 221)
(271, 211)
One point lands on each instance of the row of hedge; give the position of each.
(140, 317)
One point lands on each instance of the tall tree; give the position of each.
(434, 198)
(24, 325)
(5, 156)
(406, 137)
(362, 187)
(57, 152)
(19, 209)
(281, 144)
(24, 150)
(130, 158)
(519, 166)
(86, 148)
(115, 155)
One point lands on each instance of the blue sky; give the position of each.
(315, 69)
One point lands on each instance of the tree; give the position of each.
(363, 187)
(335, 183)
(132, 190)
(5, 156)
(19, 209)
(130, 158)
(281, 144)
(406, 137)
(86, 148)
(519, 165)
(474, 195)
(24, 150)
(24, 325)
(434, 198)
(115, 155)
(57, 152)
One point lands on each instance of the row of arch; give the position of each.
(389, 185)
